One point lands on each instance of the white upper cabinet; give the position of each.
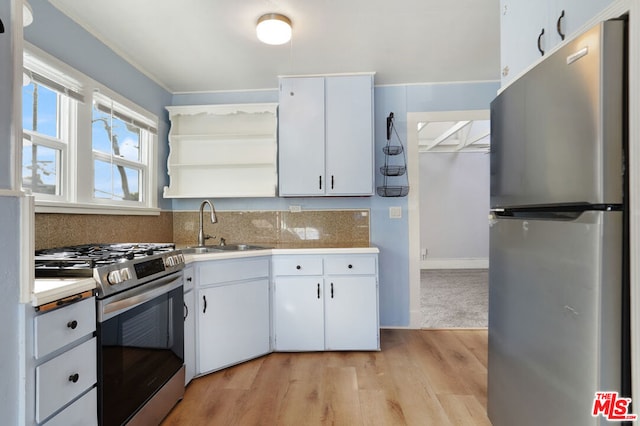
(222, 151)
(301, 136)
(530, 30)
(326, 136)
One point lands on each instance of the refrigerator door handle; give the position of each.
(536, 214)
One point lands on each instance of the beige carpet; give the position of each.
(454, 298)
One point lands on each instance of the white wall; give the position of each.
(454, 205)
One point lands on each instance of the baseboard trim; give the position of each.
(459, 263)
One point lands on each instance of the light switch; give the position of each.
(395, 212)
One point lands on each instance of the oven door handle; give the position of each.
(122, 302)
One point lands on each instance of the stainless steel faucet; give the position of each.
(201, 235)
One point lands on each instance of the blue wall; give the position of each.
(62, 38)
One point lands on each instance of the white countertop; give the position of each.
(195, 257)
(46, 290)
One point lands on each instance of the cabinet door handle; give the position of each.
(186, 311)
(318, 290)
(74, 378)
(540, 42)
(189, 279)
(332, 290)
(331, 181)
(204, 299)
(350, 266)
(298, 267)
(320, 182)
(72, 324)
(559, 25)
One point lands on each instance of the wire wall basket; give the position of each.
(395, 165)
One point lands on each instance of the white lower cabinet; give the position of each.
(65, 352)
(351, 314)
(233, 312)
(298, 313)
(335, 310)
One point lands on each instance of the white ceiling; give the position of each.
(210, 45)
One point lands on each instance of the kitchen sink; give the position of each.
(219, 249)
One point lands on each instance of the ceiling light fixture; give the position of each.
(273, 28)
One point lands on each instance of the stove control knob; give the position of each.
(118, 276)
(124, 273)
(114, 277)
(169, 262)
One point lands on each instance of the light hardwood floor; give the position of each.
(420, 377)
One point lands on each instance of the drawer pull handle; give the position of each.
(350, 266)
(559, 26)
(540, 49)
(298, 267)
(74, 378)
(72, 324)
(189, 279)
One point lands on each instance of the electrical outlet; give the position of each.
(295, 209)
(395, 212)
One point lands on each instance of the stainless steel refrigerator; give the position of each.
(558, 262)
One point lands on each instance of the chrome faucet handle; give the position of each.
(223, 242)
(208, 237)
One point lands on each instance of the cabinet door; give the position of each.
(298, 314)
(349, 127)
(576, 14)
(520, 25)
(301, 136)
(233, 324)
(351, 313)
(189, 335)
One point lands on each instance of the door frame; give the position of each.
(413, 202)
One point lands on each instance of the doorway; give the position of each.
(448, 169)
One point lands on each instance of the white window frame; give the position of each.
(77, 168)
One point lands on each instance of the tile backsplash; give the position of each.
(312, 228)
(317, 228)
(58, 230)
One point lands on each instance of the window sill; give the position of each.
(57, 207)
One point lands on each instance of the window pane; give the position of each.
(44, 117)
(115, 182)
(40, 168)
(113, 136)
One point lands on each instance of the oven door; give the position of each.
(140, 346)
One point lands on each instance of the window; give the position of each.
(120, 143)
(94, 155)
(43, 149)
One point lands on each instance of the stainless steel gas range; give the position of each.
(140, 329)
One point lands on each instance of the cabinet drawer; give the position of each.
(82, 412)
(55, 385)
(350, 265)
(221, 271)
(297, 265)
(58, 328)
